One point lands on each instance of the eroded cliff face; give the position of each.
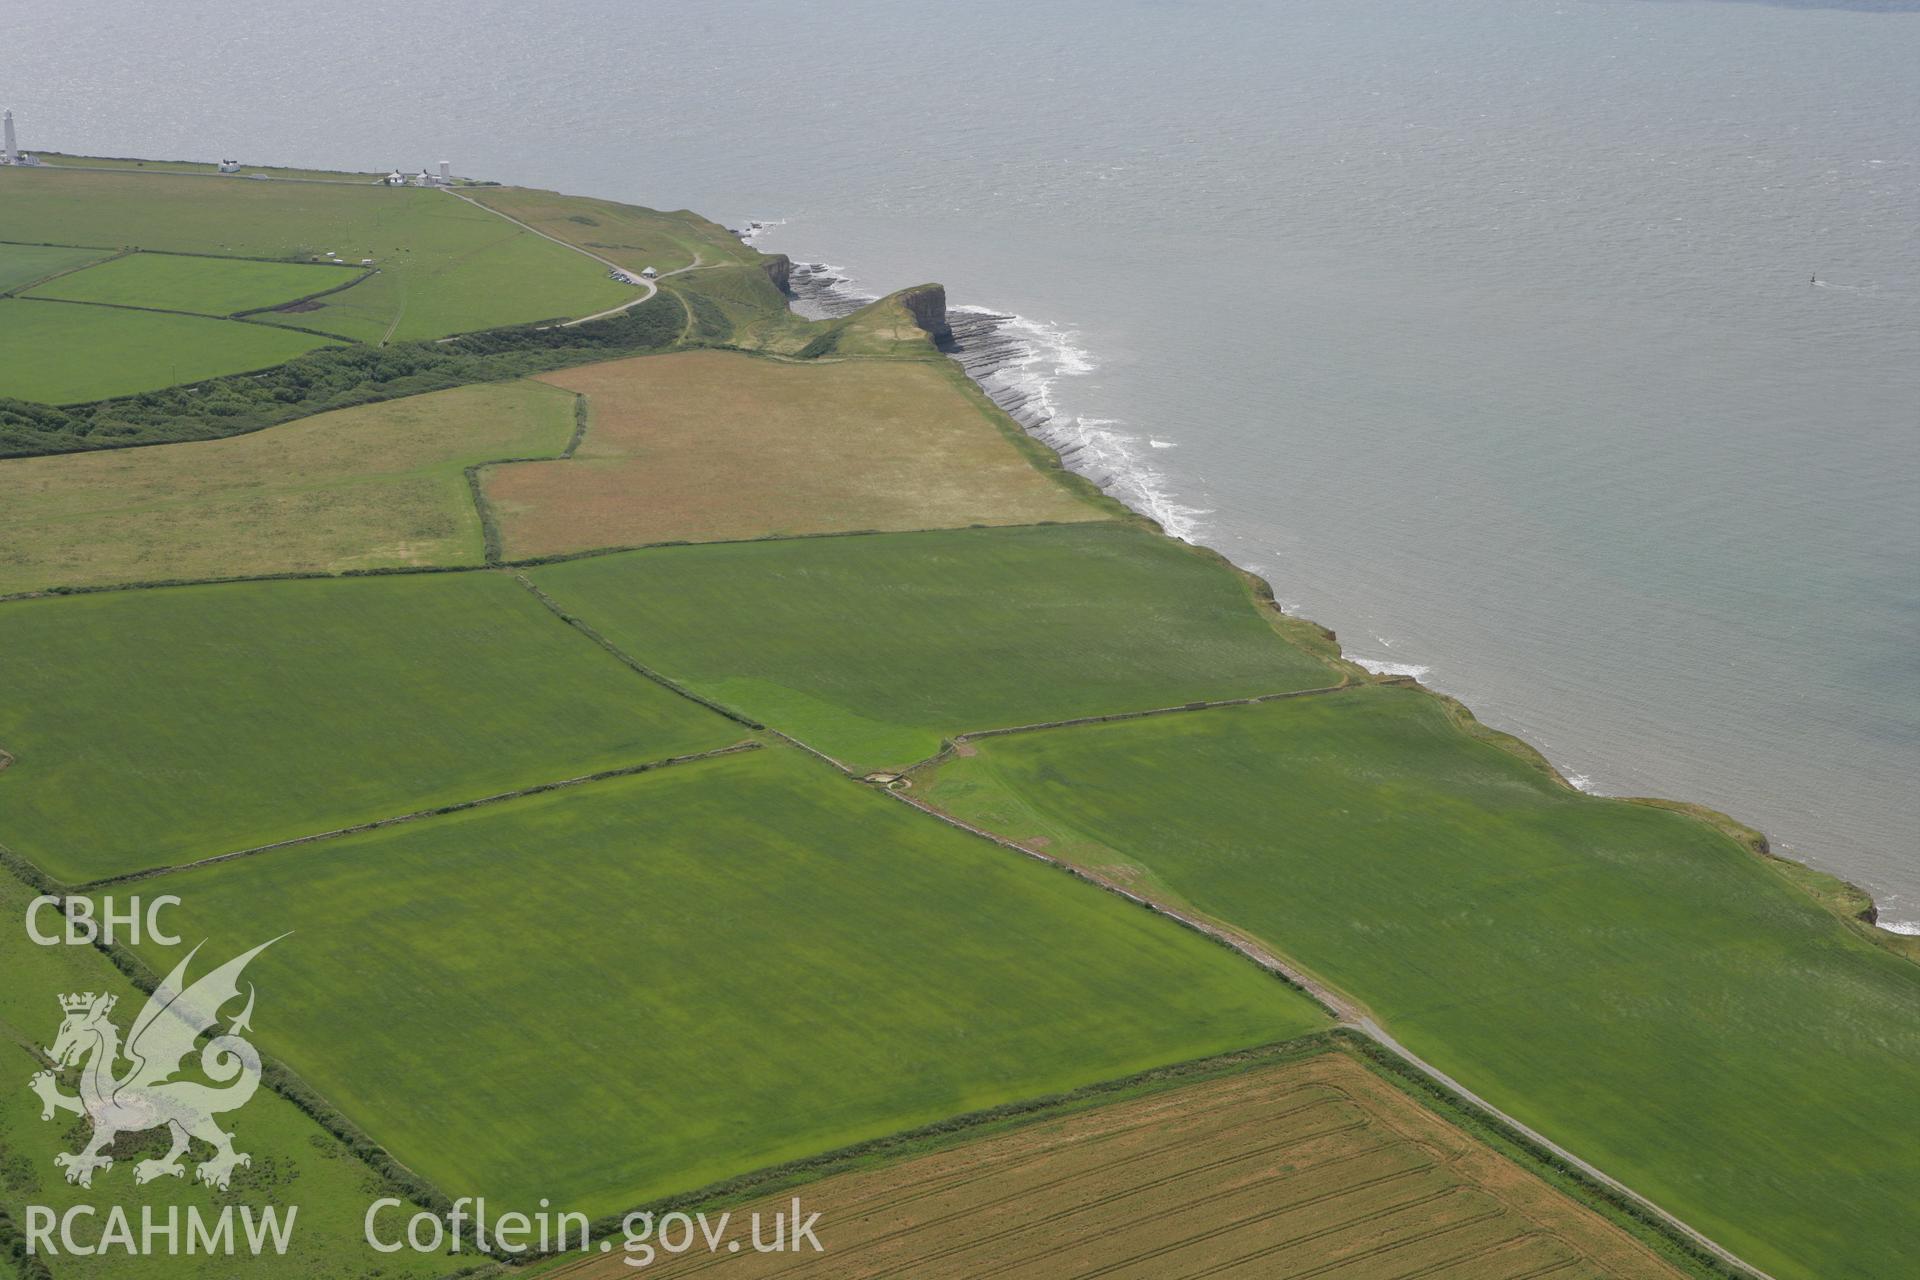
(927, 304)
(779, 269)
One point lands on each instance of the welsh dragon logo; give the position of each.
(146, 1096)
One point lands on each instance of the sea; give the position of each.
(1564, 354)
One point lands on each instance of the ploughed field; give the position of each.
(1308, 1167)
(636, 987)
(873, 649)
(1624, 978)
(373, 487)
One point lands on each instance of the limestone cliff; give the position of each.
(927, 304)
(779, 269)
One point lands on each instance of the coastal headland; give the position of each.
(733, 756)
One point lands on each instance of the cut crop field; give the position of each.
(22, 264)
(642, 985)
(1626, 979)
(66, 352)
(445, 266)
(707, 445)
(873, 649)
(294, 1160)
(152, 727)
(377, 486)
(183, 282)
(1308, 1167)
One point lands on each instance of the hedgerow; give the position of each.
(327, 379)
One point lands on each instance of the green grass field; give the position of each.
(1626, 979)
(633, 236)
(206, 167)
(640, 986)
(873, 648)
(445, 266)
(376, 486)
(152, 727)
(294, 1160)
(65, 352)
(206, 286)
(22, 264)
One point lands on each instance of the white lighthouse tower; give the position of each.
(11, 155)
(446, 173)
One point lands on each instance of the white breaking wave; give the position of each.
(1379, 668)
(755, 229)
(1910, 928)
(1579, 781)
(1021, 364)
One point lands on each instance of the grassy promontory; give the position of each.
(1645, 986)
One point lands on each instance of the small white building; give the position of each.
(229, 166)
(395, 179)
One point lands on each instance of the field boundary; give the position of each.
(491, 549)
(360, 275)
(417, 815)
(966, 1126)
(337, 375)
(191, 315)
(274, 1075)
(629, 661)
(13, 1247)
(958, 740)
(50, 277)
(306, 575)
(1354, 1019)
(1626, 1211)
(366, 274)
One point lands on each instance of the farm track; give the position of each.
(1348, 1012)
(1302, 1168)
(650, 285)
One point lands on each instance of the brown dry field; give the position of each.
(372, 487)
(708, 446)
(1307, 1168)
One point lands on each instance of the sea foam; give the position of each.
(1021, 363)
(1379, 668)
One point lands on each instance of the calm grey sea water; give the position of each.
(1485, 329)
